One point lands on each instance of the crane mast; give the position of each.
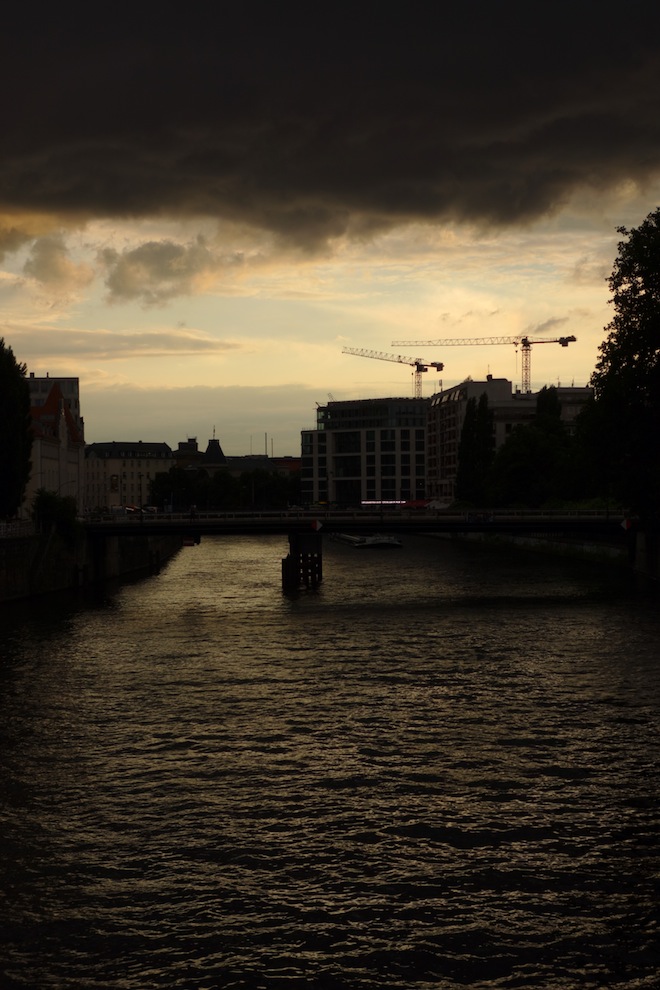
(523, 342)
(418, 364)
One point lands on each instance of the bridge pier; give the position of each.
(303, 567)
(645, 553)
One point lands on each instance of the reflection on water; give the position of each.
(441, 769)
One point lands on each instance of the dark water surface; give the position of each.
(441, 770)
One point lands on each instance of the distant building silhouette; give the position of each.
(213, 459)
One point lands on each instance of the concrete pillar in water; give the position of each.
(303, 567)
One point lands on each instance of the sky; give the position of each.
(199, 210)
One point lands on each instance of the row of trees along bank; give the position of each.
(257, 489)
(614, 453)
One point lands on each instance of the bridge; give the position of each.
(304, 528)
(586, 523)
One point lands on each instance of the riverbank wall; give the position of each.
(636, 551)
(31, 566)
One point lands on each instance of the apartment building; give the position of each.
(119, 472)
(365, 450)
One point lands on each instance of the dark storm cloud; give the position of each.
(336, 120)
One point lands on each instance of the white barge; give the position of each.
(379, 541)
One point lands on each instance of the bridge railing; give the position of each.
(476, 515)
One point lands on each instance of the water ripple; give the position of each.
(405, 780)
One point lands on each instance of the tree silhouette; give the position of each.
(627, 376)
(475, 451)
(533, 467)
(15, 432)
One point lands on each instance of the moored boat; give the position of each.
(379, 541)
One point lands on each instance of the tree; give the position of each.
(548, 411)
(179, 488)
(15, 432)
(253, 490)
(533, 466)
(51, 511)
(263, 490)
(627, 376)
(475, 451)
(590, 466)
(528, 469)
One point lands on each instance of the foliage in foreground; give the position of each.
(627, 376)
(15, 432)
(612, 454)
(52, 512)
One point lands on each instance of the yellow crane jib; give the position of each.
(519, 341)
(418, 364)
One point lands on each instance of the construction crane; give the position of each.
(418, 364)
(523, 342)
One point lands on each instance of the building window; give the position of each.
(348, 467)
(347, 443)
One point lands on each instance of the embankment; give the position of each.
(39, 565)
(636, 551)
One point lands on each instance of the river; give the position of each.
(440, 770)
